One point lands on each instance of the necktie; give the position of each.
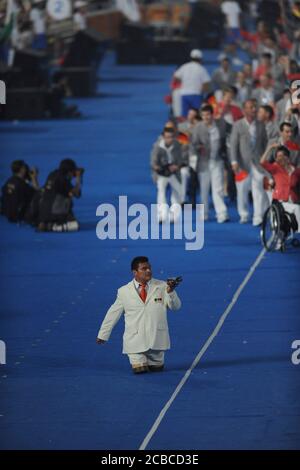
(143, 292)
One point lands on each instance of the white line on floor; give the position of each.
(201, 352)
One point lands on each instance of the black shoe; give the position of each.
(140, 370)
(156, 368)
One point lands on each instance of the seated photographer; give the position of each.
(166, 162)
(286, 178)
(55, 104)
(55, 210)
(19, 191)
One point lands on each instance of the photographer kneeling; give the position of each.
(55, 212)
(19, 191)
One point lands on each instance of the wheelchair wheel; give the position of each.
(270, 229)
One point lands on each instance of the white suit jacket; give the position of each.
(146, 324)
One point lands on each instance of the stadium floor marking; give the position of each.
(202, 351)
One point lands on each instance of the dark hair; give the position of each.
(230, 89)
(137, 260)
(268, 109)
(267, 55)
(283, 149)
(17, 165)
(207, 108)
(285, 123)
(249, 100)
(195, 111)
(169, 129)
(66, 166)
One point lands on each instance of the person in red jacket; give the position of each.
(286, 178)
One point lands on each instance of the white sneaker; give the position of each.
(257, 223)
(223, 219)
(244, 220)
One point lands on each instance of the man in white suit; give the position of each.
(144, 302)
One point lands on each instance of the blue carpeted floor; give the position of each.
(59, 390)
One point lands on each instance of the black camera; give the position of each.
(164, 171)
(174, 281)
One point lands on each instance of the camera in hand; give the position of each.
(164, 171)
(174, 281)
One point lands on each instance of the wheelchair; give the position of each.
(278, 228)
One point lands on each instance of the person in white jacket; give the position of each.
(144, 302)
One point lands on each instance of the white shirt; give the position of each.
(243, 92)
(80, 21)
(192, 76)
(167, 149)
(232, 10)
(37, 18)
(252, 131)
(214, 141)
(288, 105)
(267, 96)
(138, 287)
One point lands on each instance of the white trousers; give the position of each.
(151, 358)
(253, 183)
(293, 209)
(213, 177)
(176, 102)
(176, 195)
(185, 176)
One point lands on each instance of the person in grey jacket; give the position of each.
(266, 115)
(265, 93)
(247, 144)
(178, 130)
(224, 75)
(208, 143)
(166, 162)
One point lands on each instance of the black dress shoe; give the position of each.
(156, 368)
